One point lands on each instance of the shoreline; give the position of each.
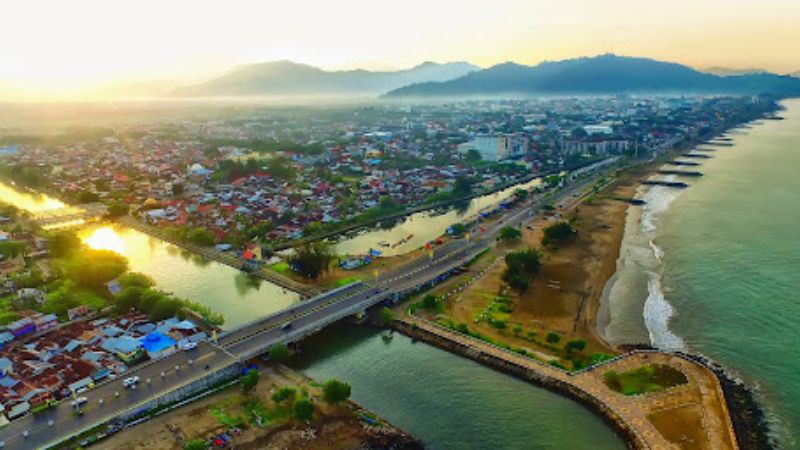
(746, 410)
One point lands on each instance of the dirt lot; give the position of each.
(564, 297)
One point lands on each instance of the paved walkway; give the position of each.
(630, 411)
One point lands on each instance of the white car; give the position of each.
(190, 346)
(78, 402)
(128, 382)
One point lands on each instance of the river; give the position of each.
(447, 401)
(715, 268)
(422, 226)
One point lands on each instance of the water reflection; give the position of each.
(405, 235)
(34, 203)
(239, 297)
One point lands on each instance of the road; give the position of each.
(110, 399)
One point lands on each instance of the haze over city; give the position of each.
(81, 50)
(408, 225)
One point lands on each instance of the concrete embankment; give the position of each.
(548, 377)
(629, 416)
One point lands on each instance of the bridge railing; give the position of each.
(306, 303)
(302, 332)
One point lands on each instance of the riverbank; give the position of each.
(347, 426)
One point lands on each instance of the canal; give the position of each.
(423, 226)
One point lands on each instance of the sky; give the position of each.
(61, 48)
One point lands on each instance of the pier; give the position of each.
(680, 173)
(675, 184)
(683, 163)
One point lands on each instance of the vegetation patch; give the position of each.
(645, 379)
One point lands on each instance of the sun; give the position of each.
(105, 238)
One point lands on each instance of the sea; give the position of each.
(715, 268)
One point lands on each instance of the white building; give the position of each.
(493, 147)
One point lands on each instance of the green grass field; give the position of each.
(645, 379)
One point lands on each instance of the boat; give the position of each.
(384, 244)
(387, 336)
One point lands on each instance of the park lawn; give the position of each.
(347, 280)
(7, 312)
(645, 379)
(280, 267)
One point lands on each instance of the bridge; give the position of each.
(57, 216)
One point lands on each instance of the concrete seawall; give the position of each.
(424, 334)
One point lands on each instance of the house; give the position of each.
(158, 345)
(26, 295)
(126, 348)
(81, 385)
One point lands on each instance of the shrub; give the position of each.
(283, 394)
(335, 391)
(303, 409)
(279, 353)
(386, 315)
(553, 337)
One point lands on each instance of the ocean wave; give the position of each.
(657, 200)
(657, 251)
(657, 314)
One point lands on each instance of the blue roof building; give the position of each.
(157, 345)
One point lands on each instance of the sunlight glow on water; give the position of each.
(31, 202)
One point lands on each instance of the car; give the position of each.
(78, 402)
(286, 326)
(130, 381)
(190, 346)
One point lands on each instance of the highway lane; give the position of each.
(65, 423)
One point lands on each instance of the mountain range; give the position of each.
(726, 71)
(604, 74)
(286, 78)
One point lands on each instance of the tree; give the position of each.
(250, 381)
(201, 237)
(521, 194)
(335, 391)
(510, 234)
(303, 409)
(117, 209)
(386, 315)
(558, 232)
(164, 308)
(430, 303)
(462, 187)
(11, 249)
(553, 337)
(313, 258)
(457, 229)
(177, 189)
(279, 353)
(196, 444)
(128, 298)
(473, 156)
(575, 345)
(87, 197)
(136, 279)
(95, 268)
(521, 266)
(64, 243)
(283, 394)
